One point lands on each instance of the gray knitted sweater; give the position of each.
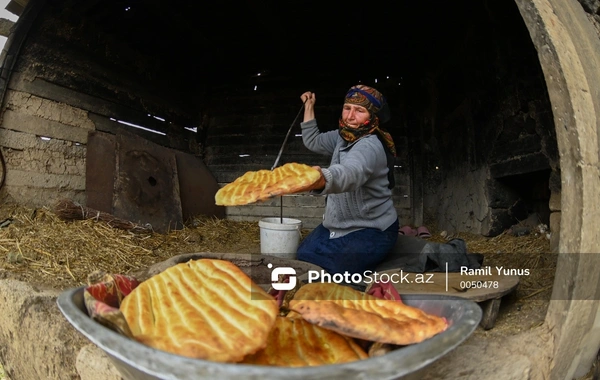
(356, 181)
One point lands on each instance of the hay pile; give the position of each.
(41, 248)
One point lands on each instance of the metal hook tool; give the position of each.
(286, 137)
(279, 156)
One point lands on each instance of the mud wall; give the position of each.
(43, 143)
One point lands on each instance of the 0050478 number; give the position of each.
(479, 284)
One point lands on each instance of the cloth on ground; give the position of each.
(412, 254)
(384, 290)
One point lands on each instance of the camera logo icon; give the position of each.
(291, 272)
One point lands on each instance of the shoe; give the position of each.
(423, 232)
(407, 231)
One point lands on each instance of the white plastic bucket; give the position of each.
(280, 239)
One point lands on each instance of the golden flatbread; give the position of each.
(323, 291)
(360, 315)
(263, 184)
(206, 309)
(298, 343)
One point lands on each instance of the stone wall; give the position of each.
(43, 143)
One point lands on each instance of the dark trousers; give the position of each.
(356, 252)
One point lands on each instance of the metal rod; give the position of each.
(286, 138)
(287, 135)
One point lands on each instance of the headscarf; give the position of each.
(373, 101)
(365, 96)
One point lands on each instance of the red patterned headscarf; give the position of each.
(365, 96)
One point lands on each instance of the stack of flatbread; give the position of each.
(260, 185)
(210, 309)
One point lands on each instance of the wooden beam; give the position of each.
(15, 7)
(177, 138)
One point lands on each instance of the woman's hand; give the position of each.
(309, 99)
(320, 184)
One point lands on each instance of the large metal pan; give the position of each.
(137, 361)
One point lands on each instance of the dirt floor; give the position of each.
(45, 248)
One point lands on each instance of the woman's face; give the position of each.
(354, 116)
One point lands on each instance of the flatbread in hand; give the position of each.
(264, 184)
(360, 315)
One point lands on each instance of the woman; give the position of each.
(360, 225)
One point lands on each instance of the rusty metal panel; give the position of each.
(100, 171)
(197, 188)
(146, 187)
